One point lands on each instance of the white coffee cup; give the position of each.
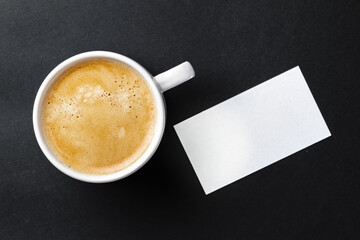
(157, 85)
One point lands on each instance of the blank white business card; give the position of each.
(252, 130)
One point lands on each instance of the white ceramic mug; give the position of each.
(157, 85)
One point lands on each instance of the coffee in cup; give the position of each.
(94, 125)
(99, 117)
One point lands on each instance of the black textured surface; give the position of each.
(233, 45)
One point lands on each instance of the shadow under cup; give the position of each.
(56, 73)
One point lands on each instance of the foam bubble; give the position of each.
(121, 133)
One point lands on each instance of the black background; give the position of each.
(233, 46)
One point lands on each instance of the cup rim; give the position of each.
(53, 76)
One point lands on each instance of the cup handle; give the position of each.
(175, 76)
